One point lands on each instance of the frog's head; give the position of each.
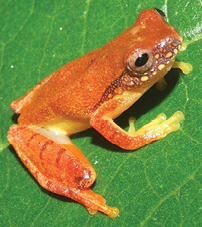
(141, 55)
(153, 51)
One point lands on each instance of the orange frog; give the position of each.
(90, 92)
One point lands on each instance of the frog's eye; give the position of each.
(160, 12)
(141, 61)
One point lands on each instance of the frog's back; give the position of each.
(71, 92)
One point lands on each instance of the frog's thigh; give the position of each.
(155, 130)
(59, 168)
(49, 161)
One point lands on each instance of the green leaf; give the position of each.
(157, 185)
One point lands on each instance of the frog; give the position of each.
(92, 91)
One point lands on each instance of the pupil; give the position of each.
(141, 60)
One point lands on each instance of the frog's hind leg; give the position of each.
(59, 168)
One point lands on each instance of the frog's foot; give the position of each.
(59, 168)
(161, 84)
(183, 47)
(131, 140)
(185, 67)
(155, 130)
(159, 127)
(98, 203)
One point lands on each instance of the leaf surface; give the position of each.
(157, 185)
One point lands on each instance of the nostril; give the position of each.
(175, 30)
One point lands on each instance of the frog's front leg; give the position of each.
(131, 140)
(59, 168)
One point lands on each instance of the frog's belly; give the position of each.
(65, 127)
